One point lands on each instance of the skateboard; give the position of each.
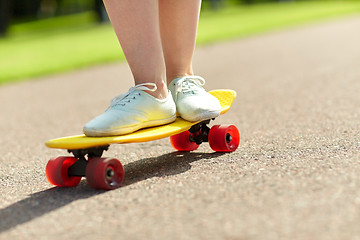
(108, 173)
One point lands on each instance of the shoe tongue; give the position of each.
(189, 86)
(121, 99)
(140, 87)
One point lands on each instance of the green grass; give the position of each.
(56, 49)
(237, 22)
(71, 42)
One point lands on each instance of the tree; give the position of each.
(100, 11)
(4, 16)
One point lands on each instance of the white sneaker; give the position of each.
(193, 103)
(132, 111)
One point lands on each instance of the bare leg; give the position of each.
(136, 24)
(178, 27)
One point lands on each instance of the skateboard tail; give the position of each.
(226, 98)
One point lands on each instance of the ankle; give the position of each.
(161, 91)
(171, 77)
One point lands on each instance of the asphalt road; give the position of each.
(296, 174)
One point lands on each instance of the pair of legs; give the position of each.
(158, 38)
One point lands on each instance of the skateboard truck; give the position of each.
(79, 167)
(200, 132)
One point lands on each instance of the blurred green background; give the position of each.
(41, 37)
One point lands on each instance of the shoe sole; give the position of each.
(129, 129)
(205, 116)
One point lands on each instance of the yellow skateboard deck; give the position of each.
(226, 98)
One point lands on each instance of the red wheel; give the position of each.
(104, 173)
(224, 138)
(57, 172)
(181, 142)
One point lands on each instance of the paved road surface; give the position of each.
(296, 174)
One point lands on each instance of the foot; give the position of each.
(132, 111)
(193, 103)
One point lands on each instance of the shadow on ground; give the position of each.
(165, 165)
(41, 203)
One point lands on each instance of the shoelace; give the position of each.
(124, 98)
(187, 84)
